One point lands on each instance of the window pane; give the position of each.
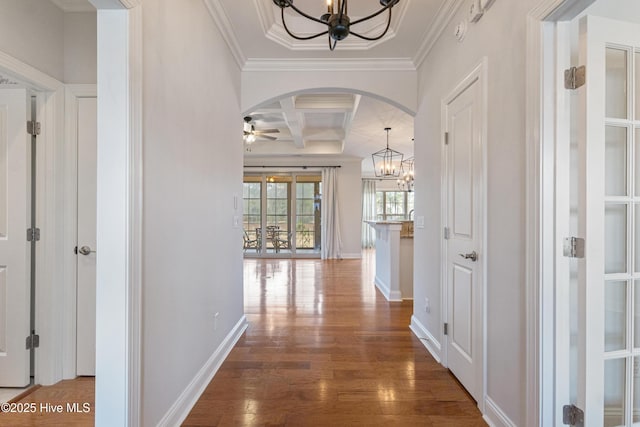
(637, 86)
(615, 315)
(616, 89)
(615, 161)
(615, 239)
(614, 395)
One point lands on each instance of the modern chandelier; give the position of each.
(405, 182)
(336, 20)
(387, 162)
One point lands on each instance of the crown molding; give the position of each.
(222, 21)
(74, 5)
(365, 64)
(443, 17)
(274, 31)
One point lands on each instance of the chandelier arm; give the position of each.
(373, 15)
(284, 24)
(290, 3)
(377, 37)
(332, 46)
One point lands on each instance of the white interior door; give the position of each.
(463, 253)
(15, 211)
(86, 274)
(607, 312)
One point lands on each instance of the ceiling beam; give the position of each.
(294, 120)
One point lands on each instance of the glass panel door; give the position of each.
(252, 214)
(308, 202)
(277, 236)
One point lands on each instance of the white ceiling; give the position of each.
(331, 124)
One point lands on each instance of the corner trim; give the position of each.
(494, 415)
(223, 23)
(443, 17)
(332, 64)
(188, 398)
(426, 338)
(392, 296)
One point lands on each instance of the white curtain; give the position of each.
(330, 215)
(368, 213)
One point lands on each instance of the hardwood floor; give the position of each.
(62, 404)
(323, 348)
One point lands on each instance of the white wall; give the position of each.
(500, 36)
(349, 194)
(62, 45)
(32, 31)
(80, 60)
(192, 262)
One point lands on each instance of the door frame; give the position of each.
(478, 74)
(50, 303)
(547, 110)
(72, 94)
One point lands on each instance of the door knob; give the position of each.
(85, 250)
(473, 256)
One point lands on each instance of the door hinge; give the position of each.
(446, 233)
(33, 128)
(575, 77)
(446, 329)
(446, 138)
(572, 415)
(33, 341)
(33, 234)
(573, 247)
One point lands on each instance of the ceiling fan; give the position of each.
(250, 134)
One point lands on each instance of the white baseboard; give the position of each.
(386, 291)
(494, 415)
(356, 255)
(181, 408)
(428, 340)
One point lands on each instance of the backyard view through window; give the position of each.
(281, 214)
(394, 205)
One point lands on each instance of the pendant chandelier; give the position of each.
(405, 182)
(387, 162)
(336, 20)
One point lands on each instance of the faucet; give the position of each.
(410, 213)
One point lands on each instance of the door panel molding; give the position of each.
(478, 75)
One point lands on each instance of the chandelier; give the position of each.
(336, 20)
(387, 162)
(405, 182)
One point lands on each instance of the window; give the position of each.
(394, 205)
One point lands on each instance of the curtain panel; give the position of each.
(368, 213)
(330, 215)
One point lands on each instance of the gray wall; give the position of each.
(192, 263)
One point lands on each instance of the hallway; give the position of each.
(324, 348)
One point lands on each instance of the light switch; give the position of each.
(236, 221)
(420, 221)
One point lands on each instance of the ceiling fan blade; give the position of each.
(263, 131)
(269, 137)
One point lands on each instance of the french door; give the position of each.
(282, 215)
(602, 338)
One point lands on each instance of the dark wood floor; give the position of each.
(324, 348)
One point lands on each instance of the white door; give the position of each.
(607, 312)
(464, 223)
(86, 275)
(15, 211)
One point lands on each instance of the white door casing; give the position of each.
(15, 211)
(86, 238)
(463, 203)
